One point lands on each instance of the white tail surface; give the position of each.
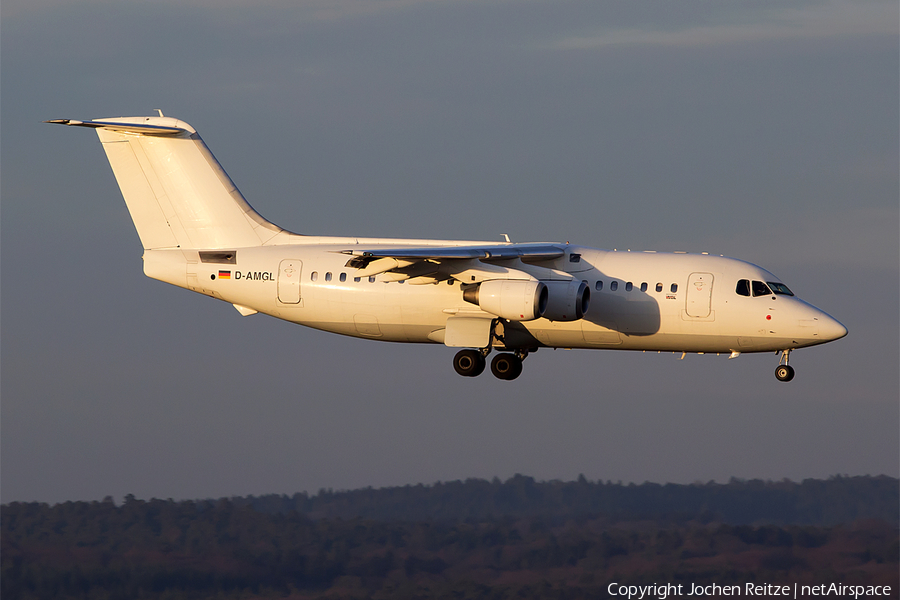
(176, 191)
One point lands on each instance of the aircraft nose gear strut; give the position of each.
(784, 372)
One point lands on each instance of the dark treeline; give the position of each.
(518, 539)
(811, 502)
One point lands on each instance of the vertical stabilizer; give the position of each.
(176, 191)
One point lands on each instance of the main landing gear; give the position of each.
(469, 363)
(784, 372)
(506, 365)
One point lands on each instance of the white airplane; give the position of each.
(199, 233)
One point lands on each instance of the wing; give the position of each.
(432, 264)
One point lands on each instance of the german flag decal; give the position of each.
(224, 274)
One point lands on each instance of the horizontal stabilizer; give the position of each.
(141, 128)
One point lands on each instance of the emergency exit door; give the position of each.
(289, 281)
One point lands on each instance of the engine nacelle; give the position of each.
(567, 300)
(514, 300)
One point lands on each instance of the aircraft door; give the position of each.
(289, 281)
(699, 295)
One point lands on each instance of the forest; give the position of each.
(462, 539)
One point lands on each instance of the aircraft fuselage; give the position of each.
(639, 300)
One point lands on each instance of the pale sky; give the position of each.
(764, 130)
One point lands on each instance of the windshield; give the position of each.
(760, 288)
(780, 288)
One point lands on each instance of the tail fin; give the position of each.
(176, 191)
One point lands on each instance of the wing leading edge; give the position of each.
(438, 263)
(527, 252)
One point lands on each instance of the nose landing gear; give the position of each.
(784, 372)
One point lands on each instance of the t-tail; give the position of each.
(178, 195)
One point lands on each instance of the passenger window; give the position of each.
(371, 279)
(674, 287)
(743, 287)
(356, 279)
(613, 286)
(598, 286)
(628, 286)
(328, 276)
(644, 287)
(760, 288)
(314, 275)
(659, 287)
(343, 277)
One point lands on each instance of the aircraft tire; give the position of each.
(784, 373)
(469, 363)
(506, 366)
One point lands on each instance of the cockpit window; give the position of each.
(743, 287)
(760, 288)
(780, 288)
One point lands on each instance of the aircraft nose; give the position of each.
(830, 328)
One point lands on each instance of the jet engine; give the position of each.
(514, 300)
(567, 300)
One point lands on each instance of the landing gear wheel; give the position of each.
(784, 373)
(469, 363)
(506, 366)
